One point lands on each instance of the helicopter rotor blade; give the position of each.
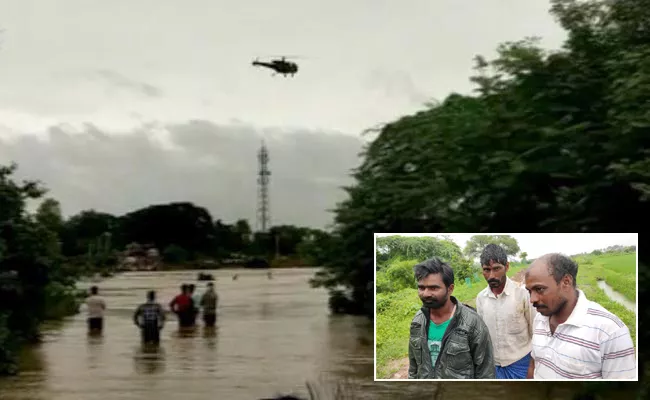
(286, 57)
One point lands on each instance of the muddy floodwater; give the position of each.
(272, 336)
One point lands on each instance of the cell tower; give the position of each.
(263, 212)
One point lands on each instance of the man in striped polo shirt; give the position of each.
(573, 337)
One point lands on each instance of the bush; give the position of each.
(8, 346)
(338, 302)
(61, 301)
(175, 254)
(401, 275)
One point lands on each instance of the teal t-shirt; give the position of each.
(434, 339)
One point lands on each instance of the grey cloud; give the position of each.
(124, 82)
(396, 84)
(212, 165)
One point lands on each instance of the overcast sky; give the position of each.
(538, 244)
(117, 105)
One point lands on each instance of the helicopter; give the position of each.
(280, 66)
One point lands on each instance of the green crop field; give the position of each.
(395, 309)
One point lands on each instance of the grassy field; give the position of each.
(619, 271)
(395, 310)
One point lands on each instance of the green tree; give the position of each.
(174, 254)
(84, 229)
(243, 229)
(182, 224)
(29, 263)
(523, 256)
(315, 247)
(477, 243)
(415, 248)
(49, 215)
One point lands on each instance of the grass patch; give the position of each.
(620, 273)
(620, 276)
(394, 314)
(620, 263)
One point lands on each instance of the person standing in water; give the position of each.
(209, 304)
(196, 302)
(150, 318)
(96, 308)
(182, 305)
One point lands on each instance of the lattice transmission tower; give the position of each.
(263, 211)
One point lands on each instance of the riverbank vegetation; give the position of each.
(182, 235)
(398, 303)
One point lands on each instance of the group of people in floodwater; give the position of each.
(150, 315)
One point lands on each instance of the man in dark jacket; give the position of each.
(448, 339)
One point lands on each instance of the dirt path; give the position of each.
(402, 365)
(519, 277)
(403, 368)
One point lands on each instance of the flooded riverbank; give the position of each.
(272, 336)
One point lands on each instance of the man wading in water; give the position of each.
(96, 308)
(150, 318)
(183, 306)
(196, 301)
(209, 304)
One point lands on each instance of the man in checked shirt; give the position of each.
(150, 318)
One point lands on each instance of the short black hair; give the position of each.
(151, 295)
(434, 266)
(493, 253)
(94, 290)
(560, 265)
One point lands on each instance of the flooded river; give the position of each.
(272, 336)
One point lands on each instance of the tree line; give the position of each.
(395, 255)
(181, 231)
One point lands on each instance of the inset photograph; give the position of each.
(542, 306)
